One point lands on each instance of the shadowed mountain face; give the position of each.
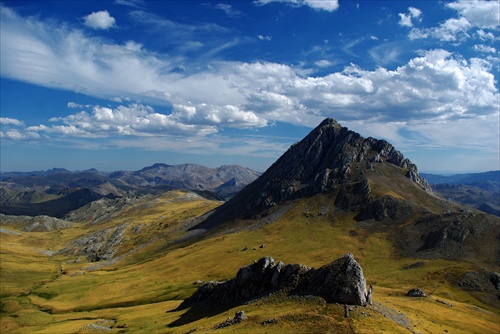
(329, 158)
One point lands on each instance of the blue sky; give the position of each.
(119, 85)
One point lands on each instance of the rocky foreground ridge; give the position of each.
(341, 281)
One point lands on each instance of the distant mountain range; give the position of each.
(57, 191)
(469, 178)
(478, 190)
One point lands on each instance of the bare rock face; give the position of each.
(386, 207)
(450, 235)
(483, 285)
(456, 231)
(341, 281)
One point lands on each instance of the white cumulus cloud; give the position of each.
(15, 134)
(10, 121)
(227, 115)
(132, 120)
(484, 48)
(99, 20)
(479, 14)
(406, 18)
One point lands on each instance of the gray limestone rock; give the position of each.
(341, 281)
(100, 245)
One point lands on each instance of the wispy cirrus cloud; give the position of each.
(187, 40)
(228, 9)
(326, 5)
(131, 3)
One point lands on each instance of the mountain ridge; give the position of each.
(318, 163)
(477, 190)
(365, 179)
(21, 190)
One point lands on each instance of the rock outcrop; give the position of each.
(386, 207)
(483, 285)
(100, 245)
(341, 281)
(35, 224)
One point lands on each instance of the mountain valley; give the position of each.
(130, 262)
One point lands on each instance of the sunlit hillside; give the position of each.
(153, 270)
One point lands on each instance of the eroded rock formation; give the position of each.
(341, 281)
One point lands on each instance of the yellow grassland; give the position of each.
(53, 294)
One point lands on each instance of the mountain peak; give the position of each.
(330, 122)
(329, 157)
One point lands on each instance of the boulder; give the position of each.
(238, 317)
(416, 292)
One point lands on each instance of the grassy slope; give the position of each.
(138, 295)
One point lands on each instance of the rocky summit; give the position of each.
(369, 179)
(323, 161)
